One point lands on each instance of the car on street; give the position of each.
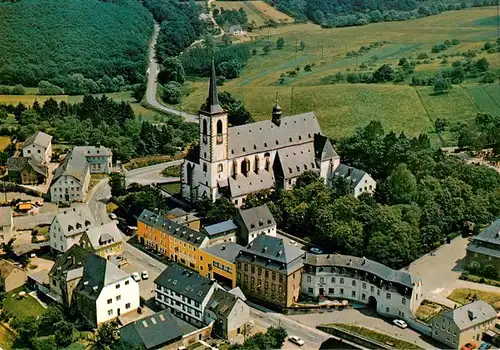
(315, 250)
(400, 323)
(136, 276)
(113, 216)
(145, 275)
(485, 346)
(469, 346)
(296, 340)
(292, 242)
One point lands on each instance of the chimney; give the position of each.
(471, 315)
(223, 247)
(349, 171)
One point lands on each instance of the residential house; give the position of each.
(182, 217)
(39, 147)
(222, 232)
(71, 179)
(11, 276)
(26, 171)
(104, 292)
(68, 226)
(184, 292)
(178, 242)
(235, 161)
(229, 313)
(99, 158)
(483, 253)
(6, 224)
(393, 293)
(236, 30)
(269, 269)
(219, 262)
(359, 181)
(162, 331)
(463, 325)
(254, 222)
(98, 289)
(105, 241)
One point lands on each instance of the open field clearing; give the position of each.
(257, 11)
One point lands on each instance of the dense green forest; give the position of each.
(422, 197)
(344, 13)
(100, 121)
(80, 46)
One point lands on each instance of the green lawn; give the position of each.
(172, 171)
(21, 307)
(172, 188)
(464, 296)
(380, 337)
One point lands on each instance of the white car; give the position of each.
(113, 216)
(400, 323)
(136, 277)
(296, 340)
(292, 242)
(145, 275)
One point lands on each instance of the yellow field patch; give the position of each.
(4, 142)
(270, 12)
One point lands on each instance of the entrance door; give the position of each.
(322, 291)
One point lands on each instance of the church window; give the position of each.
(245, 167)
(220, 168)
(267, 156)
(205, 167)
(219, 127)
(205, 128)
(256, 166)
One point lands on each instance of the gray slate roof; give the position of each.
(220, 227)
(153, 331)
(73, 259)
(479, 310)
(251, 183)
(351, 174)
(20, 163)
(491, 234)
(297, 160)
(257, 218)
(99, 235)
(177, 230)
(39, 138)
(226, 251)
(93, 151)
(273, 253)
(97, 274)
(75, 164)
(5, 216)
(265, 135)
(366, 265)
(222, 302)
(185, 282)
(323, 148)
(75, 220)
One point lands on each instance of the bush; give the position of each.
(18, 90)
(46, 88)
(172, 92)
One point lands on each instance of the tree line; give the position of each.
(81, 47)
(422, 198)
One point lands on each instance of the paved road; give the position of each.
(151, 87)
(97, 199)
(151, 174)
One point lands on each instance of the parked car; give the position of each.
(145, 275)
(315, 250)
(113, 216)
(485, 346)
(292, 242)
(400, 323)
(296, 340)
(469, 346)
(136, 277)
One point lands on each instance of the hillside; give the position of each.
(51, 39)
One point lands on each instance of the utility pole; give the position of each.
(291, 102)
(322, 55)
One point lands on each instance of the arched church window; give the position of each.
(219, 168)
(245, 166)
(205, 167)
(219, 131)
(205, 131)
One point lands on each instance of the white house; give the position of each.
(39, 147)
(184, 292)
(393, 293)
(100, 158)
(359, 181)
(239, 160)
(68, 226)
(254, 222)
(6, 224)
(104, 292)
(71, 179)
(236, 30)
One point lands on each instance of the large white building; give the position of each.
(100, 158)
(236, 161)
(391, 292)
(68, 227)
(71, 179)
(39, 147)
(359, 181)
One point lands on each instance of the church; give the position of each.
(235, 161)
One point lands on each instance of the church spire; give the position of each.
(213, 106)
(276, 113)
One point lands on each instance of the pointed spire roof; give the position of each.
(213, 106)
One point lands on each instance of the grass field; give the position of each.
(23, 307)
(4, 142)
(463, 296)
(344, 107)
(257, 11)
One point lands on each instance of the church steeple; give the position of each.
(213, 106)
(276, 113)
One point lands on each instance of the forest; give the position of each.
(422, 198)
(79, 46)
(101, 121)
(344, 13)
